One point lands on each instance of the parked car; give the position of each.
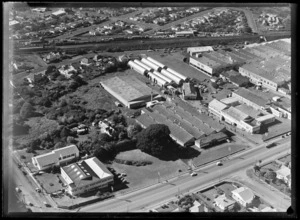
(38, 190)
(219, 163)
(47, 204)
(118, 104)
(18, 189)
(193, 174)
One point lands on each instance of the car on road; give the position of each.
(38, 190)
(30, 204)
(219, 163)
(47, 204)
(193, 174)
(18, 189)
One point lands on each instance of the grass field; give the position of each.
(216, 153)
(146, 175)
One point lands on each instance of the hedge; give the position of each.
(133, 162)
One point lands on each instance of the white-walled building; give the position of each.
(58, 156)
(243, 195)
(86, 175)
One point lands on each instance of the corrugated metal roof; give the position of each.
(86, 172)
(217, 105)
(52, 157)
(129, 88)
(249, 95)
(235, 113)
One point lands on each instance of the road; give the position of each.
(140, 200)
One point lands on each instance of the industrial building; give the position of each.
(86, 175)
(189, 91)
(138, 68)
(194, 50)
(150, 64)
(241, 120)
(211, 140)
(129, 91)
(55, 157)
(250, 98)
(185, 126)
(156, 62)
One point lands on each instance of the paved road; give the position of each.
(139, 200)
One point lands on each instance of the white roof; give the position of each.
(222, 200)
(229, 100)
(99, 169)
(52, 157)
(283, 171)
(217, 105)
(13, 22)
(59, 12)
(244, 193)
(200, 49)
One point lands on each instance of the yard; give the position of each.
(50, 182)
(150, 174)
(215, 153)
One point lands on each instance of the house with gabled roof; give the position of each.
(55, 157)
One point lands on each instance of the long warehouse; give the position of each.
(156, 62)
(137, 68)
(129, 90)
(144, 65)
(150, 64)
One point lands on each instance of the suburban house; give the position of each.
(67, 70)
(198, 207)
(284, 173)
(58, 156)
(224, 203)
(243, 195)
(86, 175)
(85, 62)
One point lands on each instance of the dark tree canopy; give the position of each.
(154, 140)
(27, 110)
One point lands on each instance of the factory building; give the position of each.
(149, 69)
(156, 62)
(137, 68)
(86, 175)
(189, 91)
(194, 50)
(241, 120)
(154, 77)
(130, 91)
(206, 65)
(164, 77)
(150, 64)
(250, 98)
(176, 79)
(184, 78)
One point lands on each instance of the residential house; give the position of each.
(67, 70)
(243, 195)
(85, 62)
(198, 207)
(58, 156)
(284, 173)
(224, 203)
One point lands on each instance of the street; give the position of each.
(165, 191)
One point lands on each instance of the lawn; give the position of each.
(149, 174)
(47, 179)
(215, 153)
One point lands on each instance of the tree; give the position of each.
(58, 145)
(154, 140)
(132, 130)
(65, 132)
(104, 137)
(71, 140)
(50, 69)
(55, 168)
(270, 175)
(256, 168)
(27, 110)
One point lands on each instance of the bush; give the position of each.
(23, 157)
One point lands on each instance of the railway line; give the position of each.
(145, 43)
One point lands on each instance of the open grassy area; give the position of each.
(215, 153)
(50, 182)
(146, 175)
(38, 126)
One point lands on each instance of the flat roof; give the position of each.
(127, 87)
(251, 96)
(248, 110)
(207, 61)
(200, 49)
(230, 73)
(217, 105)
(215, 136)
(235, 113)
(189, 89)
(229, 100)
